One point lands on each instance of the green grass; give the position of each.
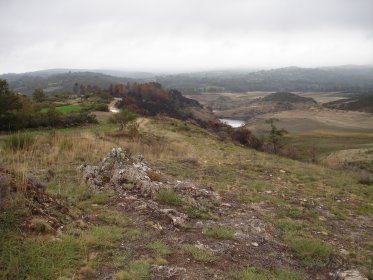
(313, 252)
(159, 248)
(19, 141)
(169, 197)
(102, 236)
(139, 270)
(199, 254)
(219, 232)
(64, 109)
(89, 200)
(114, 218)
(39, 259)
(198, 213)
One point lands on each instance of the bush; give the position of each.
(153, 176)
(122, 118)
(365, 178)
(245, 137)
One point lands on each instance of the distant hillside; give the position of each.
(288, 97)
(344, 79)
(349, 79)
(27, 83)
(272, 103)
(150, 99)
(362, 103)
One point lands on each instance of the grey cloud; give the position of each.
(178, 34)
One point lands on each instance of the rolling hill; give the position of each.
(343, 78)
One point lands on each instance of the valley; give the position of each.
(316, 132)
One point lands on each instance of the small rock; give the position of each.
(349, 275)
(344, 252)
(255, 244)
(282, 171)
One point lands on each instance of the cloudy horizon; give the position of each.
(183, 35)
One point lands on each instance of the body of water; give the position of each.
(113, 109)
(233, 123)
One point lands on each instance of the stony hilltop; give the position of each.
(176, 202)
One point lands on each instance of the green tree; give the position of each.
(38, 95)
(276, 135)
(123, 118)
(8, 100)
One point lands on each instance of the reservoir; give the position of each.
(233, 123)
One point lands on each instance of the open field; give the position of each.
(315, 121)
(290, 208)
(65, 108)
(317, 133)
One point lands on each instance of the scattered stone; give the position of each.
(344, 252)
(349, 275)
(166, 272)
(255, 244)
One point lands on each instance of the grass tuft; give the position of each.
(19, 141)
(219, 232)
(313, 252)
(169, 197)
(136, 271)
(159, 248)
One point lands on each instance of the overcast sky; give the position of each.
(183, 35)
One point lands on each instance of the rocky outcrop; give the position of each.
(129, 177)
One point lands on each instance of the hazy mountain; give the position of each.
(49, 81)
(355, 79)
(347, 78)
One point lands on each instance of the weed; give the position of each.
(219, 232)
(169, 197)
(102, 236)
(19, 141)
(159, 248)
(39, 225)
(250, 274)
(313, 252)
(39, 259)
(114, 218)
(289, 225)
(197, 213)
(133, 234)
(136, 271)
(285, 274)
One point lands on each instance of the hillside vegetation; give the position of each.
(270, 218)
